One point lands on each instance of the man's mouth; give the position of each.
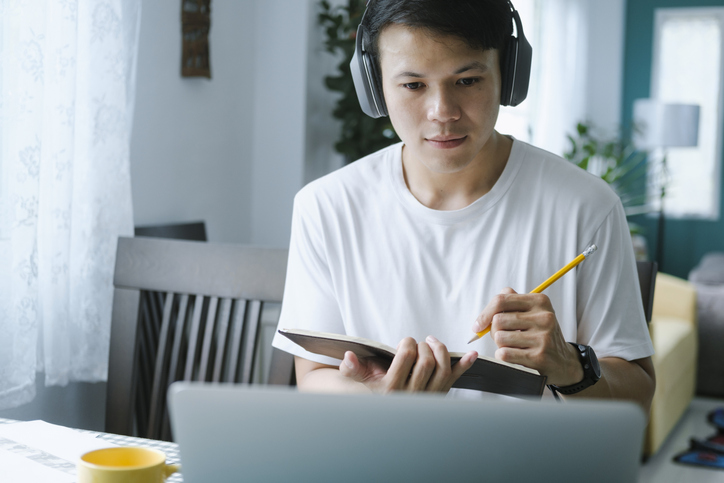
(446, 142)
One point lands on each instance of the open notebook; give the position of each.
(230, 433)
(487, 374)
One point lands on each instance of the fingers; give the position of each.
(402, 364)
(351, 367)
(416, 367)
(424, 367)
(514, 355)
(441, 361)
(508, 301)
(465, 363)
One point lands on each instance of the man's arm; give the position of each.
(620, 379)
(415, 368)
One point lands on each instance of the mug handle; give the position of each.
(170, 469)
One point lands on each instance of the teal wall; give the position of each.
(686, 241)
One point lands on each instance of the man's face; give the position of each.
(442, 96)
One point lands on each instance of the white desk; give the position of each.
(60, 464)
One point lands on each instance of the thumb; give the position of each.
(351, 366)
(508, 291)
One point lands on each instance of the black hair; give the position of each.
(482, 24)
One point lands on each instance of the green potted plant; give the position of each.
(360, 135)
(621, 165)
(616, 161)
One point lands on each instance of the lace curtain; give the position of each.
(561, 94)
(556, 99)
(67, 74)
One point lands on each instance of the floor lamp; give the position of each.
(659, 125)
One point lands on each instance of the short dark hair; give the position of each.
(482, 24)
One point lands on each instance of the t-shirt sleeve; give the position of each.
(610, 310)
(309, 301)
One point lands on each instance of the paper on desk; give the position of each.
(64, 443)
(18, 468)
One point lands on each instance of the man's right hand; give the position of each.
(417, 367)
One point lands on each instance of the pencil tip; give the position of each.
(475, 337)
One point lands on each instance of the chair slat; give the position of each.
(193, 339)
(237, 322)
(159, 379)
(172, 375)
(145, 358)
(221, 334)
(178, 336)
(253, 321)
(208, 339)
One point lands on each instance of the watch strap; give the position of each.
(589, 379)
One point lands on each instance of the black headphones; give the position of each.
(515, 70)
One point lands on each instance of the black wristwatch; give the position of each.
(591, 372)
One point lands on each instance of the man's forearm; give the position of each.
(627, 380)
(329, 380)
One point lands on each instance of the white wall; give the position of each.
(604, 73)
(280, 74)
(191, 147)
(232, 150)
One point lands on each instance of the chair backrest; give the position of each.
(181, 231)
(647, 281)
(210, 310)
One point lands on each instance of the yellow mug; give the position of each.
(124, 465)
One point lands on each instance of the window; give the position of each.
(687, 68)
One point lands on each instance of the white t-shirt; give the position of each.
(367, 259)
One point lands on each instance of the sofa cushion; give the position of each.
(710, 303)
(675, 341)
(710, 270)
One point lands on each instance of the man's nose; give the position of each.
(443, 106)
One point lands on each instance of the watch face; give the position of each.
(594, 362)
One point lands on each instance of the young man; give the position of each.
(457, 224)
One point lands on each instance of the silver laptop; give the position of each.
(231, 433)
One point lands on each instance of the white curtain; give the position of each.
(67, 75)
(556, 99)
(560, 68)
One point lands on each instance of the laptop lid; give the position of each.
(230, 433)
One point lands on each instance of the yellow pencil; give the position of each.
(586, 253)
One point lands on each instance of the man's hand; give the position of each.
(526, 331)
(415, 368)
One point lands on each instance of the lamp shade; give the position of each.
(661, 125)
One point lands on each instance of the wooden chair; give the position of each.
(647, 281)
(180, 231)
(213, 298)
(152, 302)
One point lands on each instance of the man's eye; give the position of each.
(413, 86)
(468, 81)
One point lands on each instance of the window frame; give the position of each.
(662, 15)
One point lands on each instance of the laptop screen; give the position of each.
(261, 433)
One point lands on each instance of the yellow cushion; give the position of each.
(674, 297)
(675, 342)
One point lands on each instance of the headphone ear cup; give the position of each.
(365, 79)
(507, 73)
(376, 85)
